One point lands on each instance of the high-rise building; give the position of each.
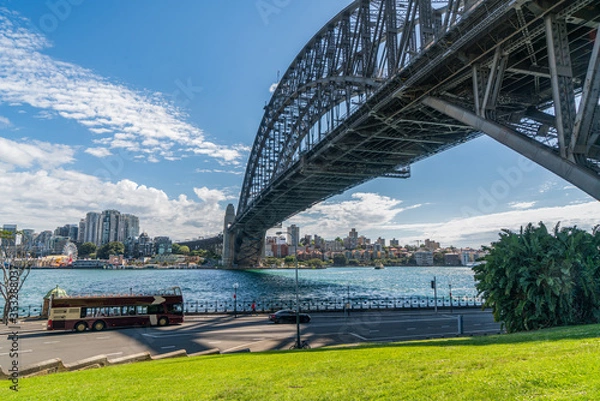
(93, 228)
(131, 227)
(351, 241)
(81, 231)
(12, 228)
(110, 226)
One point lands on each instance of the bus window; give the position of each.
(176, 309)
(155, 309)
(142, 310)
(114, 311)
(83, 312)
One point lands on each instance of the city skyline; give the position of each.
(153, 108)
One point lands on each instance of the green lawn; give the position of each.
(555, 364)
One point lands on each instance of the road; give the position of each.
(230, 334)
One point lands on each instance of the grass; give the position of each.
(554, 364)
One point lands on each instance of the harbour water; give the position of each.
(217, 285)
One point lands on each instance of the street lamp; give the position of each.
(235, 287)
(298, 342)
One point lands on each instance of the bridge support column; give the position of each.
(228, 238)
(535, 151)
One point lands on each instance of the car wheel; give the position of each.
(276, 321)
(99, 325)
(163, 321)
(80, 327)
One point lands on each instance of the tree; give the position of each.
(289, 260)
(86, 249)
(112, 248)
(14, 273)
(535, 279)
(314, 262)
(180, 249)
(339, 259)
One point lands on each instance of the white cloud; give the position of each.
(4, 122)
(521, 205)
(25, 155)
(374, 215)
(211, 195)
(366, 211)
(151, 124)
(44, 200)
(98, 152)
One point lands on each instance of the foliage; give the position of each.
(289, 260)
(314, 262)
(556, 364)
(536, 279)
(112, 248)
(339, 259)
(86, 249)
(178, 249)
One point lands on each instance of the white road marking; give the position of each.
(25, 351)
(358, 336)
(411, 328)
(50, 342)
(168, 346)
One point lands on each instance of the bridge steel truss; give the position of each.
(387, 83)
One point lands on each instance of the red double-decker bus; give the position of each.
(97, 313)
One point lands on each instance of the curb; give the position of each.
(212, 351)
(173, 354)
(94, 361)
(43, 368)
(142, 356)
(99, 361)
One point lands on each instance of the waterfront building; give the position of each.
(452, 259)
(162, 245)
(394, 243)
(423, 258)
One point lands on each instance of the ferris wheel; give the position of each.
(70, 250)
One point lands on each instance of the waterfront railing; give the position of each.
(308, 305)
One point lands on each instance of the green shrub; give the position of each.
(535, 279)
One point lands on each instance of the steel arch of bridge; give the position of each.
(386, 83)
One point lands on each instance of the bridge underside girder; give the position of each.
(510, 69)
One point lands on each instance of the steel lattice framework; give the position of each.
(386, 83)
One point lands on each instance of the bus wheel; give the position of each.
(99, 325)
(163, 321)
(79, 327)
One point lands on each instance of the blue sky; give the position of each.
(151, 107)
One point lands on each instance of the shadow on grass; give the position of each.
(591, 331)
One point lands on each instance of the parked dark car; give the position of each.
(288, 316)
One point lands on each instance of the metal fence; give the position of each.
(308, 305)
(331, 304)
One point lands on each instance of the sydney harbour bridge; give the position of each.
(387, 83)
